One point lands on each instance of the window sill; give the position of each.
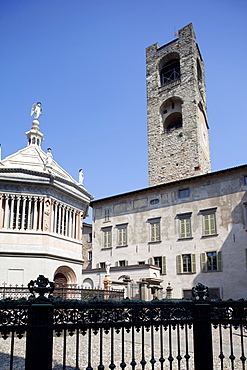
(186, 273)
(188, 238)
(106, 248)
(155, 242)
(209, 236)
(208, 272)
(121, 246)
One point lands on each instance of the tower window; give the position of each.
(199, 71)
(170, 72)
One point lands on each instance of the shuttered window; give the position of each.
(211, 261)
(209, 222)
(159, 261)
(107, 214)
(186, 263)
(107, 238)
(154, 230)
(184, 225)
(122, 236)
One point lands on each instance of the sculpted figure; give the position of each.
(36, 108)
(49, 157)
(108, 265)
(81, 176)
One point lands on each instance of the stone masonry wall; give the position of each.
(182, 152)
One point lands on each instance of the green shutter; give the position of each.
(124, 236)
(206, 225)
(126, 263)
(179, 264)
(163, 268)
(152, 232)
(204, 262)
(212, 223)
(158, 231)
(97, 265)
(151, 261)
(193, 263)
(187, 229)
(120, 239)
(182, 228)
(219, 261)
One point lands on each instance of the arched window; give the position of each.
(170, 71)
(171, 113)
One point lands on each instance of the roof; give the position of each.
(172, 183)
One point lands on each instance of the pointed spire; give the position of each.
(34, 136)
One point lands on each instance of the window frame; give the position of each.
(107, 237)
(207, 228)
(161, 264)
(184, 193)
(107, 214)
(184, 226)
(205, 261)
(154, 230)
(122, 235)
(180, 263)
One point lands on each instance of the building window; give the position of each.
(209, 222)
(211, 261)
(170, 72)
(102, 265)
(143, 262)
(154, 230)
(107, 238)
(107, 214)
(186, 263)
(90, 238)
(89, 255)
(185, 226)
(154, 201)
(184, 193)
(122, 235)
(214, 293)
(122, 263)
(159, 261)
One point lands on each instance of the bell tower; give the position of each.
(178, 141)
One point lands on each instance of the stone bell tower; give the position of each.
(178, 141)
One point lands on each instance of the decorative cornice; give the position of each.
(41, 255)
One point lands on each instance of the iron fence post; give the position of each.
(203, 346)
(39, 340)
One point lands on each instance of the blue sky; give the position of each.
(85, 61)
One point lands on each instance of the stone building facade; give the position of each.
(194, 230)
(41, 213)
(178, 141)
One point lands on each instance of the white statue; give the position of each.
(81, 177)
(49, 157)
(36, 108)
(108, 265)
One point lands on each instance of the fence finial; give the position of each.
(200, 292)
(41, 286)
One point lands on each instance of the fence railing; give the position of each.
(160, 334)
(65, 291)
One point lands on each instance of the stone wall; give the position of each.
(182, 152)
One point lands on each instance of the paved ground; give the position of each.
(83, 360)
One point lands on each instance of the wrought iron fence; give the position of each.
(65, 291)
(192, 334)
